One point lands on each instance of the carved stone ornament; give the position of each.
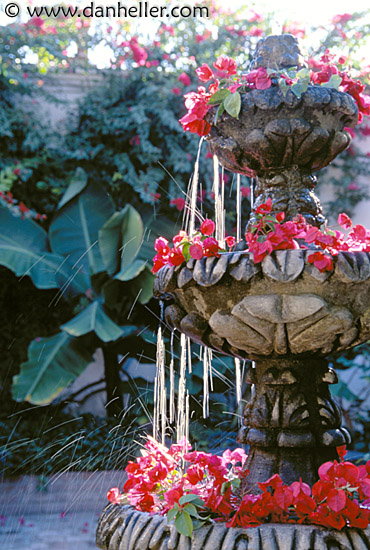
(123, 528)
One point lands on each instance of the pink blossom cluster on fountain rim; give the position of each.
(223, 76)
(268, 233)
(158, 481)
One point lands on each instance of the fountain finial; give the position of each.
(277, 52)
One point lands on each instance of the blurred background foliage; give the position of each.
(126, 142)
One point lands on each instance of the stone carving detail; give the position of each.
(284, 266)
(123, 528)
(278, 324)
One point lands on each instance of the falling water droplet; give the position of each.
(238, 385)
(161, 306)
(238, 210)
(181, 405)
(172, 380)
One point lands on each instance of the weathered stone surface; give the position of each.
(122, 528)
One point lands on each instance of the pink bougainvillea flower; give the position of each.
(258, 78)
(135, 140)
(344, 221)
(245, 191)
(204, 72)
(176, 90)
(184, 79)
(226, 64)
(340, 19)
(196, 251)
(352, 186)
(207, 227)
(161, 246)
(179, 202)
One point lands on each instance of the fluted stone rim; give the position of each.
(124, 528)
(283, 266)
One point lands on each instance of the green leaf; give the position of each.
(283, 86)
(299, 88)
(78, 183)
(334, 82)
(120, 239)
(303, 74)
(93, 319)
(24, 250)
(74, 230)
(191, 498)
(219, 96)
(191, 509)
(143, 285)
(53, 363)
(219, 112)
(232, 104)
(171, 514)
(131, 271)
(184, 523)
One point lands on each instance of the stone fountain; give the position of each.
(283, 313)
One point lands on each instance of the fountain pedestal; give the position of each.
(292, 424)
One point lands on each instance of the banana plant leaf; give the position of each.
(74, 230)
(78, 184)
(53, 363)
(94, 319)
(120, 239)
(24, 250)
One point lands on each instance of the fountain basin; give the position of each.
(123, 528)
(281, 307)
(274, 131)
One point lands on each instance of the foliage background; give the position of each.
(126, 137)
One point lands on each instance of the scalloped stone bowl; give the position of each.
(276, 131)
(282, 306)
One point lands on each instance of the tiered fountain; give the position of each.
(283, 313)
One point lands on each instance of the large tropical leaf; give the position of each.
(120, 239)
(53, 363)
(24, 250)
(94, 319)
(74, 230)
(78, 183)
(141, 278)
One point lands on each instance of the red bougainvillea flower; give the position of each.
(114, 495)
(230, 241)
(175, 257)
(265, 208)
(211, 247)
(226, 64)
(197, 105)
(184, 79)
(207, 227)
(204, 72)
